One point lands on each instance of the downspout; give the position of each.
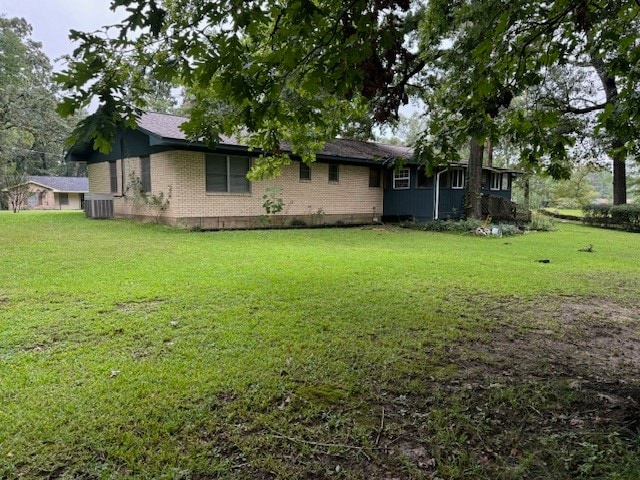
(121, 165)
(436, 207)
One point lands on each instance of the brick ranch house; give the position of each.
(55, 193)
(351, 182)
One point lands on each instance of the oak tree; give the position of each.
(301, 71)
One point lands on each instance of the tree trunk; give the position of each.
(526, 193)
(619, 179)
(619, 166)
(489, 147)
(473, 199)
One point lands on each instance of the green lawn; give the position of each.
(140, 351)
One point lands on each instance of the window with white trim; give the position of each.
(505, 181)
(401, 179)
(457, 178)
(226, 173)
(496, 180)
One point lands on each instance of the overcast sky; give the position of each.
(52, 19)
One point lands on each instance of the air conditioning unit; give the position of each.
(98, 205)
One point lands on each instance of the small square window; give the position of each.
(305, 172)
(457, 178)
(333, 173)
(401, 179)
(64, 199)
(375, 177)
(422, 180)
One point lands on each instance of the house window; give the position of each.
(305, 172)
(496, 179)
(483, 182)
(506, 181)
(145, 174)
(457, 178)
(388, 179)
(333, 172)
(401, 179)
(64, 199)
(226, 173)
(422, 180)
(375, 177)
(113, 176)
(33, 199)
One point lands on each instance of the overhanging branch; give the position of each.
(583, 110)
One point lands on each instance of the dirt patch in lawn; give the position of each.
(552, 387)
(569, 337)
(140, 306)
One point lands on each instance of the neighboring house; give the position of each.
(351, 182)
(55, 193)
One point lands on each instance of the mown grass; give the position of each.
(140, 351)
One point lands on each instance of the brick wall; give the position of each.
(350, 199)
(99, 180)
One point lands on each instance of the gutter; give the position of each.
(436, 206)
(121, 164)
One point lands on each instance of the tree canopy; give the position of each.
(303, 71)
(32, 134)
(295, 71)
(497, 65)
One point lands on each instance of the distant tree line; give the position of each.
(32, 134)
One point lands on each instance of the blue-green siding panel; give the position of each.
(414, 202)
(451, 203)
(419, 202)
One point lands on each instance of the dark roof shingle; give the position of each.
(168, 127)
(62, 184)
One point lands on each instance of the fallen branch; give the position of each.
(321, 444)
(381, 427)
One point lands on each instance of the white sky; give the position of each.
(52, 19)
